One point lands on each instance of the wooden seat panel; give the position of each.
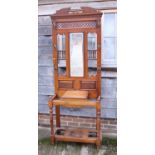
(77, 94)
(74, 103)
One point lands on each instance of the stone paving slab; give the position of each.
(62, 148)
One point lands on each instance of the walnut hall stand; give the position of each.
(76, 41)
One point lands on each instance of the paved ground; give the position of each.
(61, 148)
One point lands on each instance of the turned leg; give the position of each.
(57, 111)
(98, 124)
(51, 124)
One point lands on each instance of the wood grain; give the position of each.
(78, 94)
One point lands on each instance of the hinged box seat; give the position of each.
(75, 99)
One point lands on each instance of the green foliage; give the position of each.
(44, 141)
(109, 141)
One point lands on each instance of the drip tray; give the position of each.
(79, 133)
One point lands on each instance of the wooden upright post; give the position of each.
(51, 124)
(57, 111)
(98, 123)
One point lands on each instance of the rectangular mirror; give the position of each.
(61, 49)
(76, 55)
(92, 54)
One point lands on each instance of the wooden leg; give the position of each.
(98, 124)
(51, 124)
(57, 111)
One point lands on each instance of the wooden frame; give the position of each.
(66, 21)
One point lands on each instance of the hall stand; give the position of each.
(76, 42)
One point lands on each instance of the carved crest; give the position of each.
(71, 12)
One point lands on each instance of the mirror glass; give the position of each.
(92, 54)
(61, 49)
(76, 55)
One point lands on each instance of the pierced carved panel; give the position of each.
(88, 84)
(75, 25)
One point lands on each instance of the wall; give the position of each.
(108, 126)
(45, 66)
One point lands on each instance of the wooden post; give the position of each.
(51, 124)
(57, 111)
(98, 124)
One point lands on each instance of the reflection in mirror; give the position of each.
(61, 49)
(92, 54)
(76, 55)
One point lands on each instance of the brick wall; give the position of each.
(109, 126)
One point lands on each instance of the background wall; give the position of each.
(109, 67)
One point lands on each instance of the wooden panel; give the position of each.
(75, 25)
(75, 94)
(74, 103)
(72, 139)
(77, 78)
(74, 30)
(92, 93)
(65, 84)
(76, 84)
(88, 84)
(78, 135)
